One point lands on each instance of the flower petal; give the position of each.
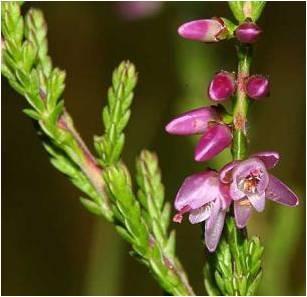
(215, 209)
(215, 140)
(213, 232)
(204, 30)
(192, 122)
(197, 190)
(234, 192)
(225, 196)
(270, 159)
(257, 200)
(280, 193)
(200, 214)
(242, 214)
(225, 172)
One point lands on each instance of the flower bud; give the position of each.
(257, 87)
(192, 122)
(222, 86)
(248, 32)
(215, 140)
(207, 30)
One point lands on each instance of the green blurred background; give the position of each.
(50, 244)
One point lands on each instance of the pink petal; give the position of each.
(192, 122)
(213, 232)
(225, 196)
(215, 209)
(201, 30)
(280, 193)
(258, 201)
(270, 159)
(197, 190)
(215, 140)
(234, 192)
(226, 172)
(200, 214)
(242, 214)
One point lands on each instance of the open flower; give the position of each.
(250, 185)
(216, 135)
(202, 195)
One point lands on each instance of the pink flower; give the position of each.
(216, 135)
(206, 30)
(250, 185)
(202, 195)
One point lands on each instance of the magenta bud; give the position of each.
(222, 86)
(207, 30)
(248, 32)
(216, 139)
(192, 122)
(257, 87)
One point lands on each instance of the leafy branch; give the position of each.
(116, 114)
(140, 219)
(235, 268)
(29, 71)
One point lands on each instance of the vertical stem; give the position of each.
(239, 145)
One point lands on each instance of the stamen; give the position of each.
(244, 202)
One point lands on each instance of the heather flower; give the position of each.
(250, 185)
(202, 195)
(222, 86)
(257, 87)
(206, 120)
(248, 32)
(206, 30)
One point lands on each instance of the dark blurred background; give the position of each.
(50, 244)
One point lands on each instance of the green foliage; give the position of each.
(141, 220)
(235, 267)
(116, 114)
(151, 196)
(246, 9)
(257, 8)
(29, 71)
(237, 10)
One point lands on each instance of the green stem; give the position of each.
(239, 145)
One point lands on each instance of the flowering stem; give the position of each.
(239, 145)
(235, 267)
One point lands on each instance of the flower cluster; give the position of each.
(206, 196)
(246, 184)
